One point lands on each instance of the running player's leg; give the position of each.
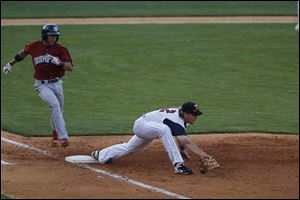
(152, 130)
(57, 119)
(120, 150)
(58, 91)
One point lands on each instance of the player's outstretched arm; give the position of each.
(19, 57)
(187, 142)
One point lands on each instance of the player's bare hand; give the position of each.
(185, 154)
(54, 60)
(7, 68)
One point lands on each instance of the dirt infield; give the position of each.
(252, 166)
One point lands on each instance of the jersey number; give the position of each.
(167, 110)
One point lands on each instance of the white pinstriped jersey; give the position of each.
(167, 113)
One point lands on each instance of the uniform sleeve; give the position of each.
(65, 56)
(28, 48)
(176, 129)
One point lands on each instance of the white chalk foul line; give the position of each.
(115, 176)
(5, 163)
(131, 181)
(26, 146)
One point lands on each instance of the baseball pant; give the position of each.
(145, 131)
(52, 94)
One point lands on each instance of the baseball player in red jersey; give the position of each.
(50, 60)
(165, 124)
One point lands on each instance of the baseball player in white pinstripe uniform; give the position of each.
(162, 124)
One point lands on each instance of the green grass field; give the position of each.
(4, 197)
(42, 9)
(244, 76)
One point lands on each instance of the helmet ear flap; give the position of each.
(44, 37)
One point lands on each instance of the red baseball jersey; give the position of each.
(44, 69)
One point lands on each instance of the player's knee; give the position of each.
(54, 105)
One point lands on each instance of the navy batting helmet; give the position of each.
(50, 29)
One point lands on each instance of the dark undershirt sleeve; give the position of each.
(176, 129)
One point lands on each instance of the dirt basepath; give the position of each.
(252, 166)
(153, 20)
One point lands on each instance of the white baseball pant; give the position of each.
(52, 94)
(145, 131)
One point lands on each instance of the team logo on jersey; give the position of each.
(167, 110)
(41, 59)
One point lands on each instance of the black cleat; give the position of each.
(109, 161)
(181, 169)
(95, 155)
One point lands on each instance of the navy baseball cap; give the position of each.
(191, 108)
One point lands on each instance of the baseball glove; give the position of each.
(209, 163)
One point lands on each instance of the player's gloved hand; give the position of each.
(54, 60)
(7, 68)
(209, 163)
